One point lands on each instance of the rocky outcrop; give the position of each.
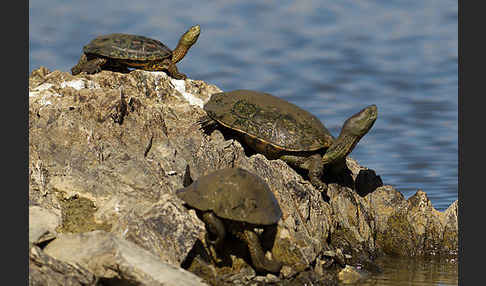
(108, 151)
(117, 260)
(46, 270)
(42, 225)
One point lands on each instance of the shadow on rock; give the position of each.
(366, 182)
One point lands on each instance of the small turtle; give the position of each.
(119, 51)
(281, 130)
(235, 201)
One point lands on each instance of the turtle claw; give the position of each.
(320, 186)
(90, 67)
(174, 72)
(315, 174)
(179, 76)
(75, 71)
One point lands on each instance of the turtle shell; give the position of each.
(126, 46)
(269, 119)
(235, 194)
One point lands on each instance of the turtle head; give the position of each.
(360, 123)
(354, 128)
(185, 42)
(190, 37)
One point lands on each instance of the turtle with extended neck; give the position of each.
(118, 52)
(281, 130)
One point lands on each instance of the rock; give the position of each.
(288, 272)
(45, 270)
(207, 271)
(354, 232)
(162, 226)
(311, 278)
(42, 225)
(383, 222)
(351, 275)
(108, 151)
(117, 260)
(450, 242)
(415, 228)
(120, 176)
(383, 202)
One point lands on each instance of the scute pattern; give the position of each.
(126, 46)
(270, 119)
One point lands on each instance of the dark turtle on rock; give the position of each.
(235, 201)
(118, 52)
(281, 130)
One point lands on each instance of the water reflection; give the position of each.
(414, 272)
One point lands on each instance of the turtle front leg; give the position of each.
(313, 164)
(216, 228)
(76, 69)
(173, 71)
(260, 262)
(89, 66)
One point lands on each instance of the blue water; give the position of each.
(330, 57)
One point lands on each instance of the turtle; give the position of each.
(236, 201)
(119, 51)
(281, 130)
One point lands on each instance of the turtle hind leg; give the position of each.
(89, 66)
(260, 262)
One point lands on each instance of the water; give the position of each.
(413, 272)
(329, 57)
